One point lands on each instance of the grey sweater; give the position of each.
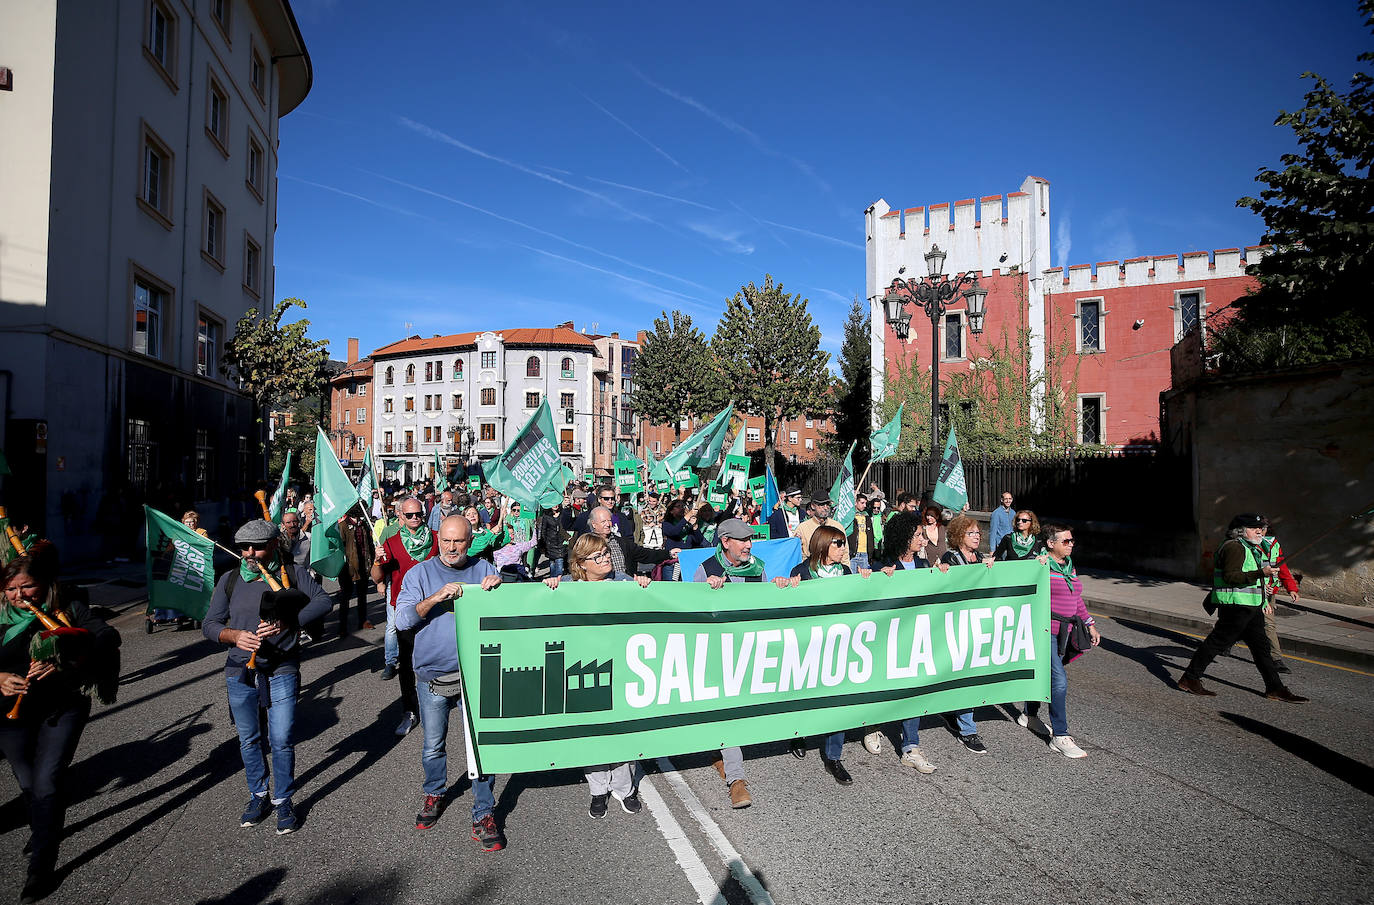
(278, 654)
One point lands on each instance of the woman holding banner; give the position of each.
(590, 560)
(825, 559)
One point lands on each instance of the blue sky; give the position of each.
(470, 166)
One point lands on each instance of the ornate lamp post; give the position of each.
(933, 293)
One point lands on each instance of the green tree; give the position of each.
(768, 355)
(277, 363)
(853, 392)
(673, 372)
(299, 435)
(1318, 210)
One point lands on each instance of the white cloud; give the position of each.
(730, 238)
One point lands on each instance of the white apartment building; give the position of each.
(137, 209)
(466, 395)
(614, 421)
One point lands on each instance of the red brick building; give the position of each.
(350, 408)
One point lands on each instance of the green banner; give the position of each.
(334, 496)
(603, 673)
(277, 504)
(842, 492)
(702, 448)
(474, 484)
(883, 442)
(686, 478)
(179, 568)
(757, 488)
(530, 468)
(367, 481)
(950, 489)
(762, 532)
(627, 476)
(716, 495)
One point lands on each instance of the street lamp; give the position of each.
(933, 293)
(460, 432)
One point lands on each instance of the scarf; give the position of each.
(751, 569)
(17, 620)
(417, 542)
(1065, 571)
(249, 573)
(834, 570)
(1021, 547)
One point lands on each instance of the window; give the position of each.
(255, 166)
(1090, 420)
(810, 423)
(410, 403)
(810, 444)
(160, 41)
(1187, 312)
(457, 400)
(205, 465)
(429, 370)
(387, 441)
(212, 232)
(257, 76)
(567, 368)
(627, 361)
(410, 373)
(1090, 325)
(155, 180)
(438, 370)
(252, 266)
(438, 402)
(390, 376)
(532, 366)
(410, 441)
(488, 431)
(427, 405)
(457, 369)
(488, 359)
(953, 344)
(151, 303)
(531, 400)
(427, 435)
(346, 415)
(489, 396)
(388, 405)
(348, 389)
(751, 435)
(792, 438)
(142, 453)
(565, 400)
(208, 332)
(362, 416)
(362, 389)
(219, 11)
(217, 114)
(656, 450)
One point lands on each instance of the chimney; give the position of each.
(352, 349)
(568, 324)
(615, 335)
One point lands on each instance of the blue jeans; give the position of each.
(555, 567)
(858, 561)
(911, 735)
(434, 711)
(391, 648)
(1059, 698)
(281, 718)
(832, 746)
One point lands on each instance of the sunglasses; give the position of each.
(839, 543)
(412, 515)
(248, 548)
(1023, 521)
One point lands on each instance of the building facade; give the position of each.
(139, 205)
(1107, 327)
(466, 395)
(613, 415)
(797, 439)
(350, 411)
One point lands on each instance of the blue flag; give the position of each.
(770, 493)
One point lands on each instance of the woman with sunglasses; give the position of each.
(590, 560)
(1024, 541)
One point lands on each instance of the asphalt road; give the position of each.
(1182, 799)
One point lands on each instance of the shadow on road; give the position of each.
(1348, 770)
(1152, 658)
(519, 782)
(350, 888)
(193, 652)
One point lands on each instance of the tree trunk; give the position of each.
(768, 444)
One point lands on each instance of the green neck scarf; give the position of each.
(1022, 547)
(751, 569)
(249, 573)
(1064, 570)
(15, 621)
(834, 570)
(417, 542)
(481, 540)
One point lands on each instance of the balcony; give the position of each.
(572, 447)
(567, 375)
(387, 447)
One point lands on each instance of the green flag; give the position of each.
(530, 468)
(842, 492)
(701, 449)
(883, 441)
(367, 481)
(179, 568)
(658, 471)
(334, 496)
(278, 502)
(624, 451)
(950, 489)
(627, 476)
(440, 474)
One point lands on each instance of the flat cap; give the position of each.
(1247, 520)
(735, 528)
(257, 531)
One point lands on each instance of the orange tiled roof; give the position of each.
(520, 337)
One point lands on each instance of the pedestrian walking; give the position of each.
(411, 545)
(1002, 522)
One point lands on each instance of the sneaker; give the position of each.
(631, 804)
(286, 818)
(917, 761)
(429, 812)
(389, 672)
(487, 836)
(305, 637)
(798, 747)
(256, 812)
(739, 795)
(408, 722)
(873, 742)
(1023, 720)
(597, 809)
(974, 743)
(1064, 745)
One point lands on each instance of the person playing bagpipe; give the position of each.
(53, 654)
(257, 610)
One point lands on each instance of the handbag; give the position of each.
(449, 685)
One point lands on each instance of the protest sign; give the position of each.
(627, 476)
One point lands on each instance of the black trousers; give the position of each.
(1237, 623)
(410, 702)
(39, 754)
(350, 590)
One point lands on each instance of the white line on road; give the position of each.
(741, 872)
(708, 892)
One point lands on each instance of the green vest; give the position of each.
(1251, 595)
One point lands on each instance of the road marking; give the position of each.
(738, 869)
(1247, 647)
(708, 893)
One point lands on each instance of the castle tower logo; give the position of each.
(516, 691)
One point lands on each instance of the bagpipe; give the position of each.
(60, 644)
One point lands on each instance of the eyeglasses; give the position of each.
(412, 515)
(972, 531)
(1065, 540)
(839, 542)
(1023, 521)
(603, 556)
(248, 548)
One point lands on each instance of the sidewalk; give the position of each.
(1310, 628)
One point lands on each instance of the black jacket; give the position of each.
(635, 555)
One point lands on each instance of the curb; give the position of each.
(1301, 647)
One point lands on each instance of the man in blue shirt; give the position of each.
(1002, 520)
(426, 603)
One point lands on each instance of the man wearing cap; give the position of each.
(734, 561)
(235, 619)
(783, 520)
(819, 515)
(1239, 581)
